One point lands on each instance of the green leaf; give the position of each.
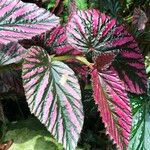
(140, 134)
(31, 135)
(81, 4)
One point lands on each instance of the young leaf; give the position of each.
(139, 18)
(130, 66)
(20, 21)
(104, 60)
(80, 70)
(90, 30)
(11, 53)
(140, 135)
(53, 95)
(113, 104)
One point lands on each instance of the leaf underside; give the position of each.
(20, 21)
(113, 104)
(53, 95)
(90, 30)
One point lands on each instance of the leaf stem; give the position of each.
(79, 58)
(61, 58)
(84, 61)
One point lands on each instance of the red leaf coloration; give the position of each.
(104, 60)
(58, 41)
(131, 69)
(90, 30)
(113, 104)
(54, 42)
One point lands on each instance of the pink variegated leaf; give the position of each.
(54, 42)
(131, 69)
(90, 30)
(11, 53)
(23, 21)
(113, 104)
(139, 18)
(104, 60)
(61, 46)
(53, 95)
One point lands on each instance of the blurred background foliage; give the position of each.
(15, 119)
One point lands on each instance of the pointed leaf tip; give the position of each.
(114, 105)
